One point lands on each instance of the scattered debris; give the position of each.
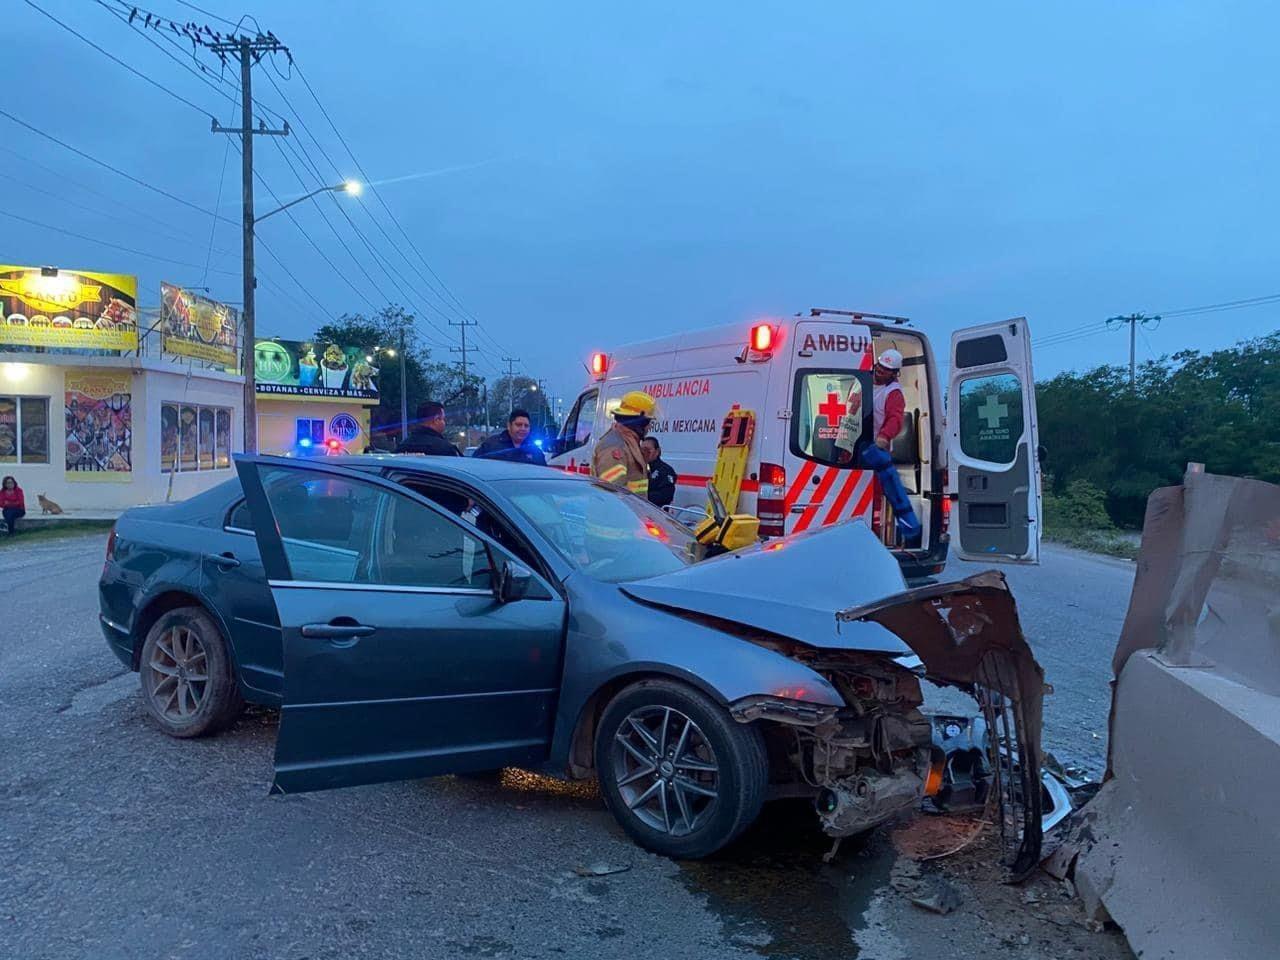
(939, 896)
(601, 869)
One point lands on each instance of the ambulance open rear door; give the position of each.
(992, 444)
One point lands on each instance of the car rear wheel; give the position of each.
(188, 682)
(679, 774)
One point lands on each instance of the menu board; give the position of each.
(49, 307)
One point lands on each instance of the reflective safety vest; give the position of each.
(617, 460)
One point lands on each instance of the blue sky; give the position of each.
(602, 175)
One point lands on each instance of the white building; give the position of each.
(97, 433)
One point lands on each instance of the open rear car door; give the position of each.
(993, 443)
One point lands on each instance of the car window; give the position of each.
(239, 517)
(604, 532)
(477, 513)
(337, 530)
(832, 412)
(991, 417)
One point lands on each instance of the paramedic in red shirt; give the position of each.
(889, 405)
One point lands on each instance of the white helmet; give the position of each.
(890, 359)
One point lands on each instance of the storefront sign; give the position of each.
(344, 427)
(306, 369)
(99, 426)
(47, 307)
(197, 327)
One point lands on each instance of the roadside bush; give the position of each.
(1078, 517)
(1081, 506)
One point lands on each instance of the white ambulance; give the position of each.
(974, 480)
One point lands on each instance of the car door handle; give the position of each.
(225, 560)
(336, 631)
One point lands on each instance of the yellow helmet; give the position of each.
(637, 403)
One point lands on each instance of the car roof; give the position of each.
(462, 468)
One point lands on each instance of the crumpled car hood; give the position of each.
(792, 587)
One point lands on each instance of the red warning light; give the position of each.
(762, 338)
(333, 443)
(599, 365)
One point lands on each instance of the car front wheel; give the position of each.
(188, 682)
(679, 774)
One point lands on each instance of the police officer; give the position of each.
(662, 479)
(428, 436)
(617, 458)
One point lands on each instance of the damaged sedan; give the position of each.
(420, 616)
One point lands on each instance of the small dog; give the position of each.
(47, 505)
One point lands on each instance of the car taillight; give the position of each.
(771, 502)
(111, 549)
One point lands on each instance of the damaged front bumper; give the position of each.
(879, 755)
(968, 636)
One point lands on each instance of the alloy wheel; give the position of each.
(665, 769)
(179, 674)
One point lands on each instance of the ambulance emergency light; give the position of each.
(599, 365)
(761, 342)
(762, 338)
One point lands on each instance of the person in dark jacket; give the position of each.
(428, 436)
(513, 443)
(662, 479)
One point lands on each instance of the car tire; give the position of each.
(667, 809)
(188, 680)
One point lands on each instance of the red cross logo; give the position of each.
(833, 409)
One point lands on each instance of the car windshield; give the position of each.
(606, 533)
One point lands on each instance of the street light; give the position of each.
(404, 384)
(351, 188)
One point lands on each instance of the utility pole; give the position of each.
(404, 392)
(466, 389)
(248, 51)
(1132, 320)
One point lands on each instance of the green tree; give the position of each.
(380, 334)
(1221, 409)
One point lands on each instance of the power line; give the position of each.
(105, 243)
(222, 80)
(1227, 305)
(177, 238)
(116, 170)
(213, 227)
(126, 14)
(213, 16)
(111, 56)
(373, 189)
(448, 310)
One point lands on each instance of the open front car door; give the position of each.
(413, 644)
(993, 443)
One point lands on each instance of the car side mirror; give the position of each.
(515, 582)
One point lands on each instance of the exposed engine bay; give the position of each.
(880, 755)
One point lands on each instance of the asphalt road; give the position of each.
(118, 842)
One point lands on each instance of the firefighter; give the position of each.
(888, 405)
(617, 458)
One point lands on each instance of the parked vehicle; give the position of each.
(417, 616)
(801, 376)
